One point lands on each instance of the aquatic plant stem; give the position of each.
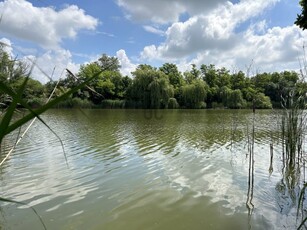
(251, 169)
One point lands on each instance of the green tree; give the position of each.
(209, 75)
(174, 76)
(11, 69)
(86, 72)
(262, 102)
(192, 75)
(235, 99)
(108, 84)
(109, 63)
(216, 79)
(225, 94)
(151, 87)
(34, 92)
(261, 81)
(238, 81)
(193, 95)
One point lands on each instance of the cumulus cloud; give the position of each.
(214, 30)
(43, 25)
(276, 49)
(161, 11)
(214, 38)
(126, 65)
(51, 64)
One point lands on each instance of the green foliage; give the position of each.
(301, 19)
(152, 87)
(36, 102)
(217, 80)
(235, 99)
(172, 103)
(193, 95)
(34, 88)
(10, 69)
(210, 75)
(216, 87)
(112, 104)
(6, 126)
(216, 105)
(174, 76)
(238, 81)
(108, 63)
(262, 102)
(192, 75)
(75, 102)
(109, 84)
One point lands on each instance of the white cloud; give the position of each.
(214, 30)
(161, 11)
(154, 30)
(213, 38)
(43, 25)
(105, 33)
(126, 65)
(276, 49)
(53, 64)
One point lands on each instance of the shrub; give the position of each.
(172, 103)
(112, 104)
(36, 102)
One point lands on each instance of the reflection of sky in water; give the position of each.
(121, 163)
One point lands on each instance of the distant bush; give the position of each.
(112, 104)
(75, 103)
(216, 105)
(172, 103)
(82, 103)
(201, 105)
(262, 102)
(133, 104)
(36, 102)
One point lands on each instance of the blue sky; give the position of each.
(233, 34)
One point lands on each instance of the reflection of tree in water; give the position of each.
(288, 189)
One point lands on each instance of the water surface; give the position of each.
(143, 169)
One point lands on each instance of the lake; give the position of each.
(150, 169)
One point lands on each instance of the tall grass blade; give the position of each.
(11, 109)
(301, 198)
(5, 121)
(302, 224)
(37, 112)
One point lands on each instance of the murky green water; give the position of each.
(136, 169)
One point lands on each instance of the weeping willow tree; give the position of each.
(167, 92)
(160, 92)
(235, 99)
(194, 95)
(151, 87)
(155, 94)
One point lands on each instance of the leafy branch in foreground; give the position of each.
(301, 19)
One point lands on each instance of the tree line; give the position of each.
(156, 88)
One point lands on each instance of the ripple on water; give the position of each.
(187, 171)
